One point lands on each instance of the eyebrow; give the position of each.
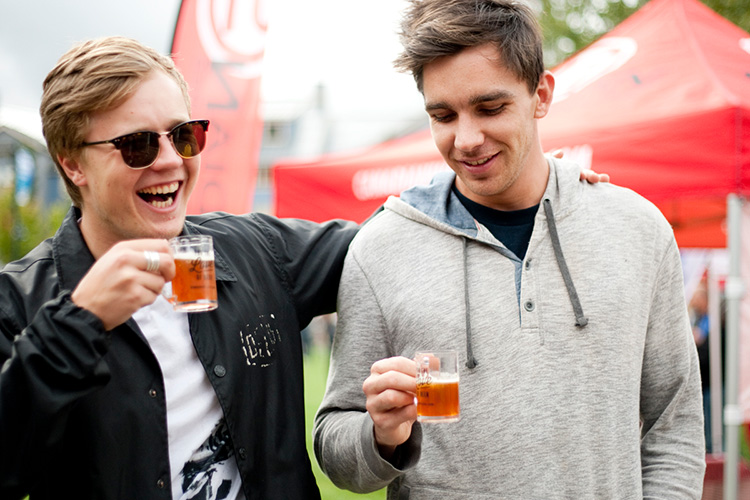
(494, 96)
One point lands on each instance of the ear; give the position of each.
(72, 168)
(544, 92)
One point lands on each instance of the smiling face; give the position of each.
(120, 203)
(483, 121)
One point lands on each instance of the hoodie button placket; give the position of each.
(529, 316)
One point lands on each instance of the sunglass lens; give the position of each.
(140, 149)
(189, 139)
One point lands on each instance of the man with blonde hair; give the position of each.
(106, 392)
(579, 378)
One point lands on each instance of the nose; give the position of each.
(468, 135)
(168, 157)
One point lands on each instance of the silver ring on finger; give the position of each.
(152, 261)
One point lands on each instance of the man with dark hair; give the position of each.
(580, 378)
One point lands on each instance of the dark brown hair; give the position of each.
(434, 28)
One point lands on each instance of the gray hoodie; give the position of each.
(579, 376)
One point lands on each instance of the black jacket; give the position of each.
(82, 410)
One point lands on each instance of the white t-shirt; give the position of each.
(199, 445)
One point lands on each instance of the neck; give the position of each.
(97, 245)
(532, 182)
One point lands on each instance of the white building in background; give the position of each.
(25, 165)
(306, 128)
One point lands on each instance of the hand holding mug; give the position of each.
(128, 276)
(390, 391)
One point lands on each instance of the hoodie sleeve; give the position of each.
(343, 435)
(672, 445)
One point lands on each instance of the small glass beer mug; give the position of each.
(193, 288)
(437, 386)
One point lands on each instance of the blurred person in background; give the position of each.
(698, 308)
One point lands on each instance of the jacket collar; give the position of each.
(72, 257)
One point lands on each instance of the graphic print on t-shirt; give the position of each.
(211, 473)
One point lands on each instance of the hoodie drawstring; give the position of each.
(581, 320)
(471, 361)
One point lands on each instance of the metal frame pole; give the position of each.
(734, 291)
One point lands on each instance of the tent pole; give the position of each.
(734, 291)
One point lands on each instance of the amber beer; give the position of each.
(194, 284)
(437, 387)
(438, 398)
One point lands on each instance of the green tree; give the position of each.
(22, 228)
(571, 25)
(736, 11)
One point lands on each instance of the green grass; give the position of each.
(316, 371)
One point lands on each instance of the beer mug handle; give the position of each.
(423, 371)
(424, 366)
(166, 292)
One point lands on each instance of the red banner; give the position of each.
(218, 46)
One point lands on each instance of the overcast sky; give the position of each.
(347, 45)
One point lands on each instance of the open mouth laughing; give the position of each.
(160, 196)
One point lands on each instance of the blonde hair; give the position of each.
(94, 76)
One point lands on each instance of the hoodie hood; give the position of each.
(563, 184)
(448, 212)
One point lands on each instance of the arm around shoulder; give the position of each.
(311, 257)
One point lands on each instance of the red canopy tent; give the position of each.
(661, 103)
(353, 185)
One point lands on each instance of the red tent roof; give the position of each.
(353, 185)
(661, 103)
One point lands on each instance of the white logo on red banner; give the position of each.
(233, 32)
(603, 57)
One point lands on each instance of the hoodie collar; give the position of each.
(563, 184)
(449, 211)
(563, 187)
